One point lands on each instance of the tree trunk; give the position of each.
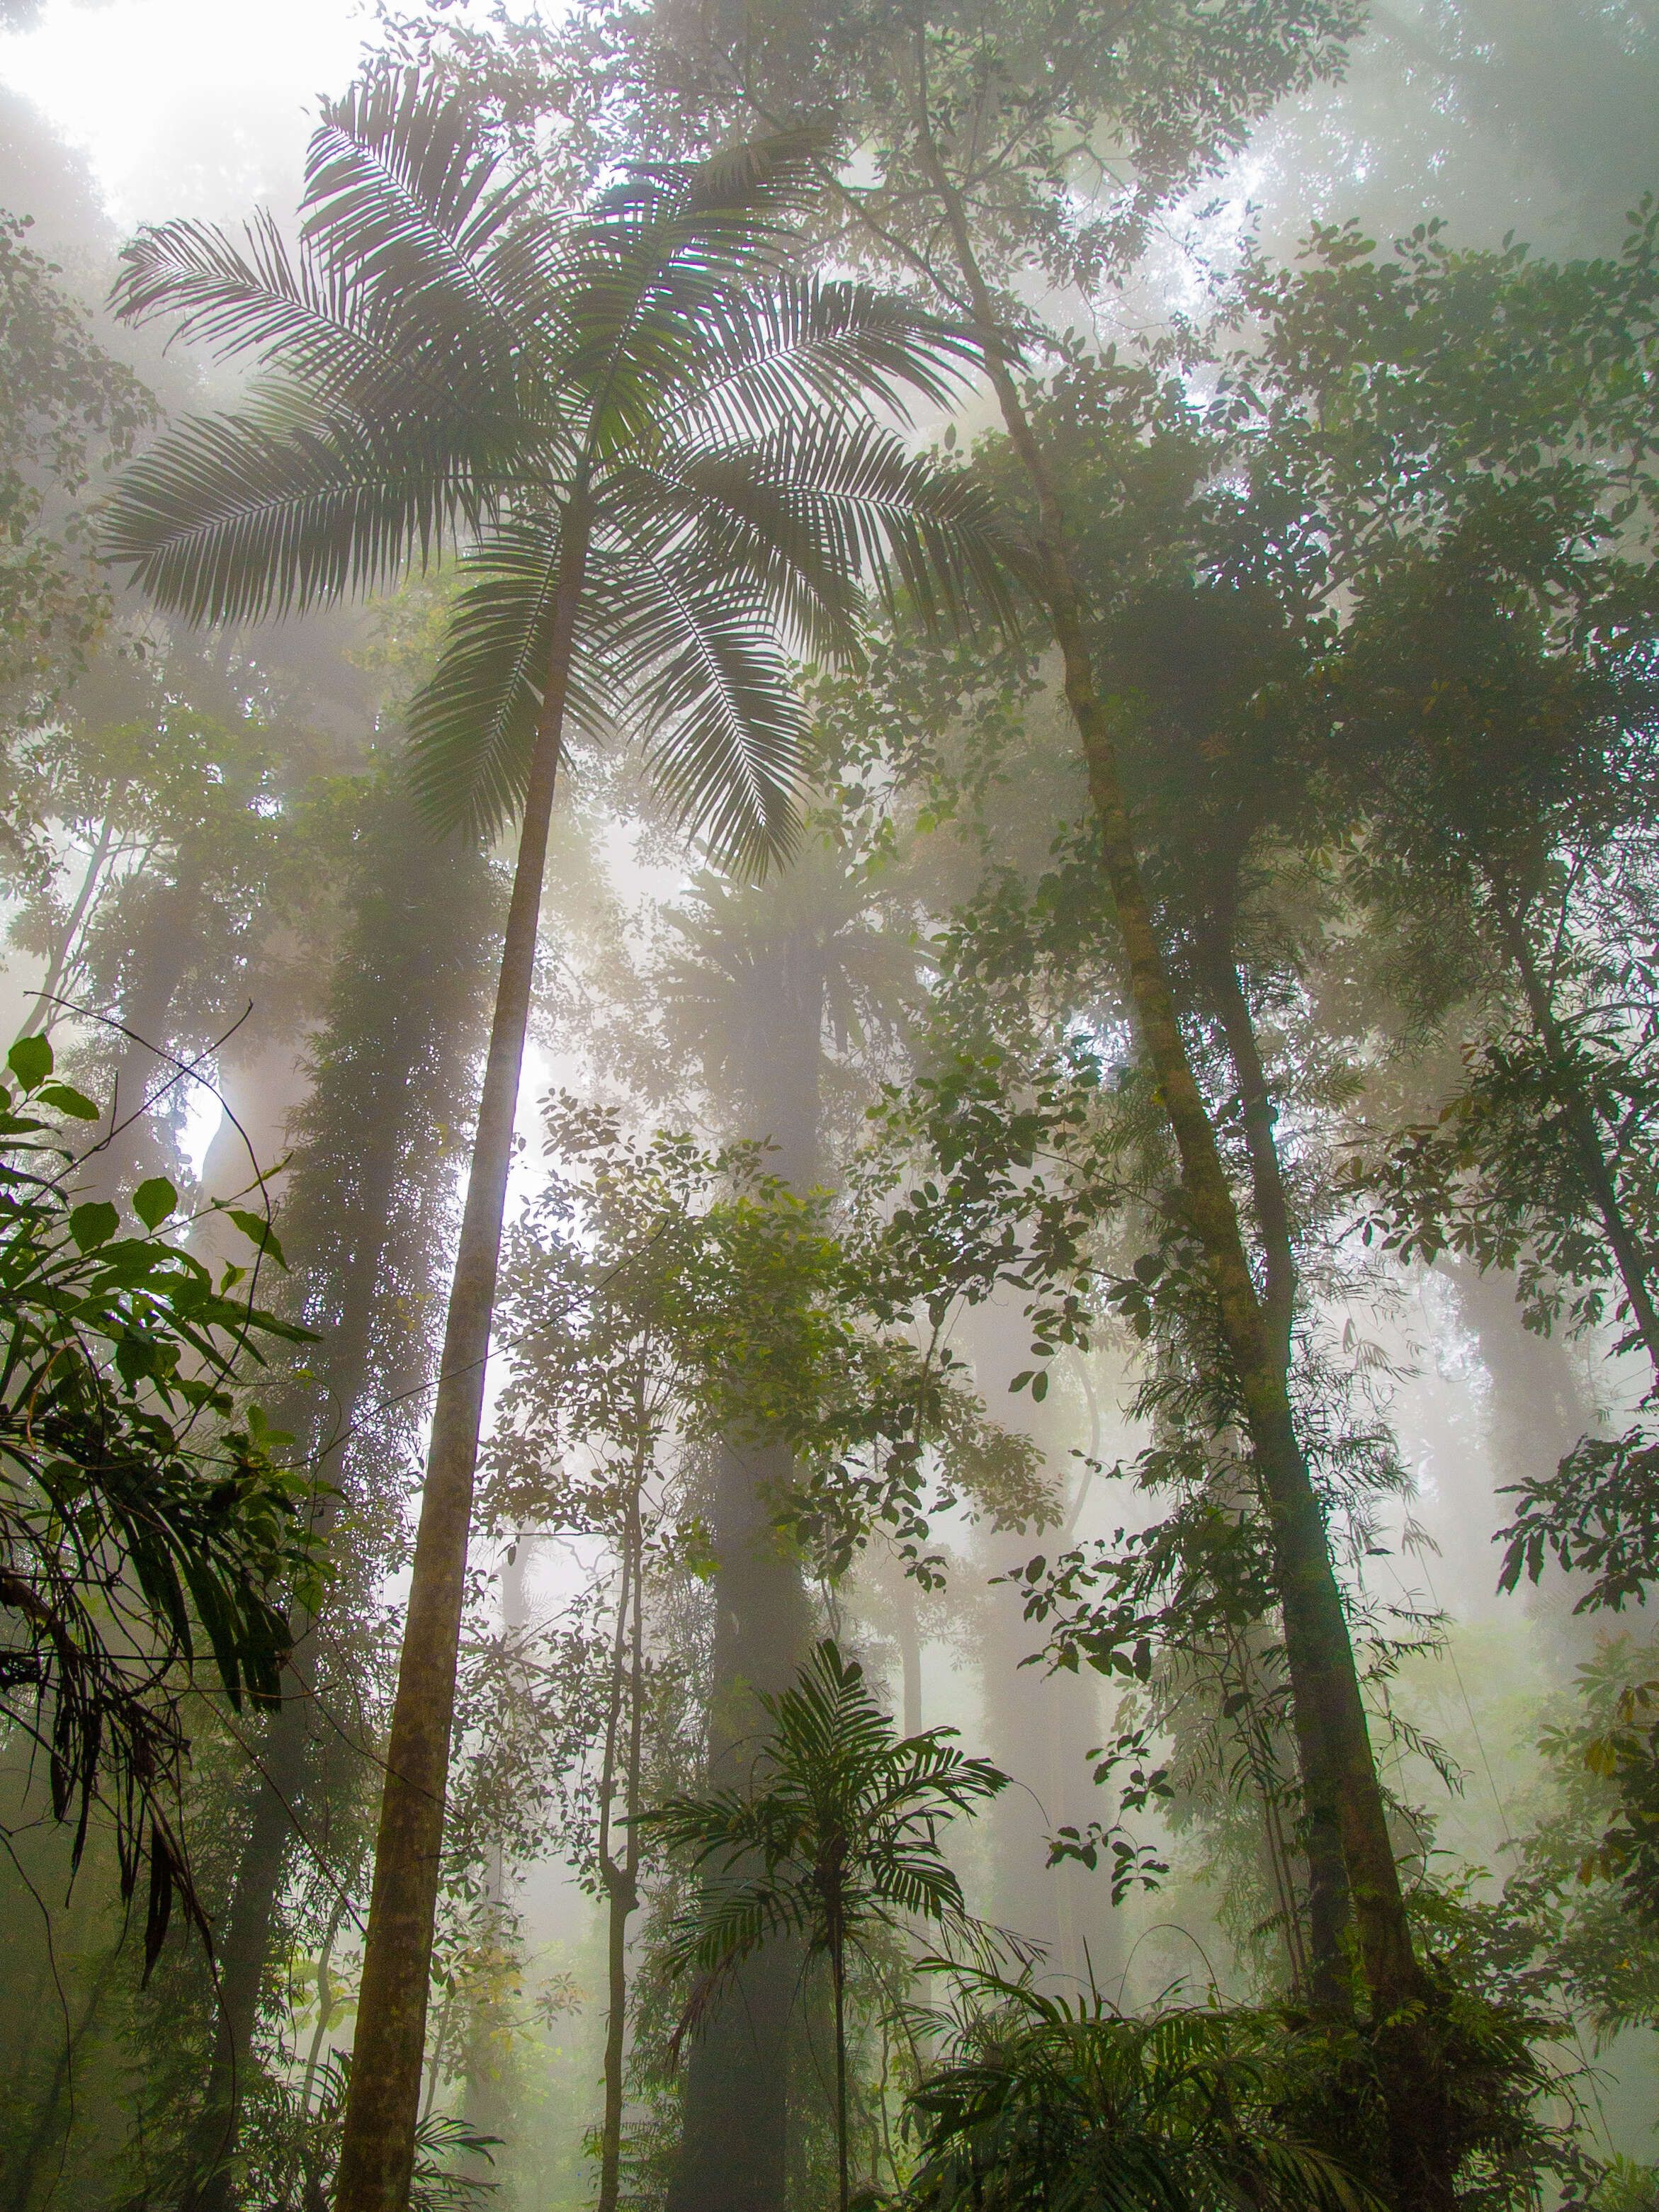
(734, 2138)
(382, 2107)
(621, 1878)
(46, 2129)
(1328, 1903)
(44, 1012)
(733, 2147)
(161, 959)
(621, 1900)
(1332, 1738)
(345, 1357)
(838, 1972)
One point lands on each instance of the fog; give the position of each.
(829, 1199)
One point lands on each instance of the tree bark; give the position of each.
(382, 2107)
(1333, 1737)
(838, 1970)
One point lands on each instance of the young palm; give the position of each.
(657, 455)
(837, 1834)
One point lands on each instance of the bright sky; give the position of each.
(186, 106)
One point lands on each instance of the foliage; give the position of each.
(145, 1526)
(1068, 129)
(1065, 2102)
(766, 1317)
(296, 2148)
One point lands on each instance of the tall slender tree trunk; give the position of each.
(44, 1013)
(838, 1972)
(251, 1918)
(1334, 1740)
(46, 2133)
(487, 2098)
(1329, 1900)
(734, 2144)
(621, 1876)
(383, 2105)
(161, 957)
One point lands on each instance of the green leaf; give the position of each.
(30, 1060)
(258, 1231)
(154, 1200)
(92, 1224)
(75, 1104)
(1040, 1384)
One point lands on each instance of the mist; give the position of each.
(828, 1188)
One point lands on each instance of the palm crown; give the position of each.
(640, 394)
(838, 1830)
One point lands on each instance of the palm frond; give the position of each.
(712, 699)
(811, 342)
(403, 181)
(253, 298)
(235, 518)
(379, 353)
(849, 496)
(473, 725)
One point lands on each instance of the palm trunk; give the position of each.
(1333, 1737)
(382, 2108)
(350, 1266)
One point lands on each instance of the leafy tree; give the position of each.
(596, 1378)
(662, 452)
(835, 1836)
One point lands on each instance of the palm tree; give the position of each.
(657, 451)
(836, 1834)
(1062, 2103)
